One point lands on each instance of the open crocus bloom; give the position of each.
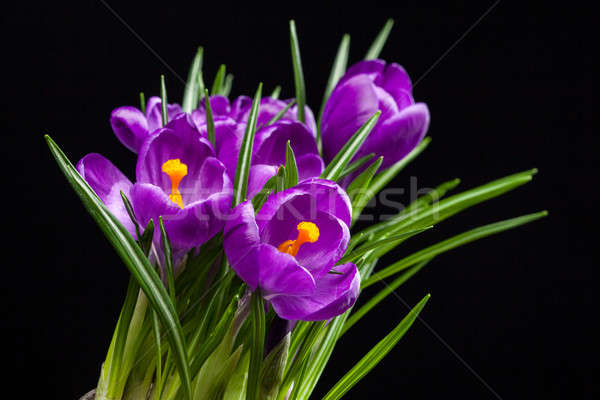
(269, 150)
(366, 87)
(132, 127)
(289, 248)
(178, 178)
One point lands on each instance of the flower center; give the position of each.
(307, 232)
(176, 171)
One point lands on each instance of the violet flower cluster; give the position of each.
(289, 249)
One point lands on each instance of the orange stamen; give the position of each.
(307, 232)
(176, 171)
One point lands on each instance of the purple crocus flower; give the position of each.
(178, 178)
(288, 249)
(366, 87)
(132, 127)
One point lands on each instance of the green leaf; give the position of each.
(453, 242)
(276, 92)
(376, 354)
(343, 157)
(129, 209)
(281, 113)
(382, 179)
(291, 169)
(210, 123)
(192, 89)
(168, 260)
(142, 102)
(245, 157)
(437, 212)
(389, 288)
(237, 386)
(163, 104)
(356, 165)
(358, 188)
(147, 236)
(298, 74)
(337, 71)
(227, 85)
(156, 331)
(271, 374)
(379, 41)
(217, 86)
(258, 344)
(377, 243)
(134, 259)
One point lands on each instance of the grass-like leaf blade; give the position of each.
(167, 248)
(217, 86)
(281, 113)
(358, 188)
(337, 71)
(379, 41)
(163, 101)
(134, 259)
(335, 168)
(389, 288)
(258, 344)
(291, 169)
(355, 165)
(210, 122)
(298, 74)
(375, 355)
(191, 93)
(245, 157)
(453, 242)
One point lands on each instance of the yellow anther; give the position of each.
(307, 232)
(176, 171)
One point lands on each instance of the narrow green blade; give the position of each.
(276, 92)
(449, 244)
(163, 101)
(134, 259)
(190, 95)
(210, 123)
(270, 186)
(375, 244)
(168, 260)
(375, 355)
(226, 90)
(356, 165)
(358, 188)
(298, 74)
(389, 288)
(217, 86)
(343, 157)
(291, 169)
(245, 157)
(379, 41)
(337, 71)
(258, 344)
(281, 113)
(382, 179)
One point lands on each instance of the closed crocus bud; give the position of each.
(366, 87)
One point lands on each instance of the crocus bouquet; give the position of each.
(237, 229)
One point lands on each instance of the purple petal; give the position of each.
(259, 175)
(130, 127)
(279, 273)
(154, 112)
(397, 136)
(349, 106)
(372, 69)
(334, 295)
(108, 183)
(240, 238)
(271, 142)
(395, 78)
(309, 166)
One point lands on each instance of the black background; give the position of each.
(512, 94)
